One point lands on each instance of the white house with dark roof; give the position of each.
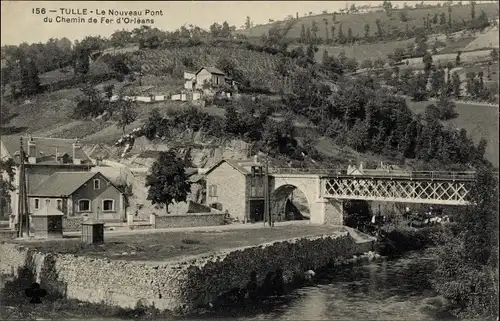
(205, 75)
(79, 193)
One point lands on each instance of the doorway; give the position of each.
(256, 210)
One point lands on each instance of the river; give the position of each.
(386, 290)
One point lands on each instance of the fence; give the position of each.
(423, 175)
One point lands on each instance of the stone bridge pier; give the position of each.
(322, 210)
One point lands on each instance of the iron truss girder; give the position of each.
(404, 191)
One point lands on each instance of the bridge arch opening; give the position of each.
(289, 203)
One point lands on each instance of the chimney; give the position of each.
(32, 152)
(76, 146)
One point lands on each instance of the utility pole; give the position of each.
(22, 210)
(267, 212)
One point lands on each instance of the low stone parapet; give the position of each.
(189, 220)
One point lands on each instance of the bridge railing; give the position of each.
(425, 175)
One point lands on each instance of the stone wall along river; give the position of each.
(180, 285)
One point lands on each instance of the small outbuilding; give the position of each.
(47, 223)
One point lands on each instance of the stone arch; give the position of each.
(280, 203)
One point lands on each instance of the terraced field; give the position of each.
(258, 67)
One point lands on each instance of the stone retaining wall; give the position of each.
(189, 220)
(180, 285)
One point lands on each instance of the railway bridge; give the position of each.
(327, 189)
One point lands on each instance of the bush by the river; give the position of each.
(466, 272)
(396, 241)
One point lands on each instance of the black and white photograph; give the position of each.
(249, 160)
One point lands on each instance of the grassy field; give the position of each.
(163, 246)
(357, 21)
(488, 39)
(363, 51)
(480, 122)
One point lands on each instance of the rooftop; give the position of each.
(243, 166)
(212, 70)
(61, 184)
(47, 148)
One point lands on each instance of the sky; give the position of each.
(20, 24)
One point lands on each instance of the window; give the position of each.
(47, 202)
(108, 205)
(59, 205)
(84, 206)
(212, 191)
(97, 184)
(37, 203)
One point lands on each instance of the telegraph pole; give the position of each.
(267, 212)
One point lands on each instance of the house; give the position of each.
(238, 187)
(205, 75)
(189, 80)
(44, 157)
(77, 194)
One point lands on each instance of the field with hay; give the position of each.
(480, 121)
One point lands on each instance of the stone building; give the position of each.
(238, 187)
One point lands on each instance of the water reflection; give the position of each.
(387, 290)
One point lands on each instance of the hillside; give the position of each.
(357, 21)
(257, 67)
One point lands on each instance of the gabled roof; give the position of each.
(242, 166)
(63, 184)
(46, 149)
(212, 70)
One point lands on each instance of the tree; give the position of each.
(168, 182)
(387, 5)
(380, 32)
(435, 19)
(248, 23)
(427, 60)
(367, 31)
(455, 80)
(89, 105)
(232, 120)
(341, 35)
(494, 54)
(442, 19)
(126, 114)
(121, 38)
(457, 59)
(446, 108)
(303, 34)
(472, 10)
(314, 30)
(225, 31)
(30, 82)
(449, 17)
(7, 167)
(466, 274)
(325, 21)
(403, 16)
(333, 33)
(350, 38)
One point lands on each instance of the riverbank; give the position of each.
(377, 290)
(179, 283)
